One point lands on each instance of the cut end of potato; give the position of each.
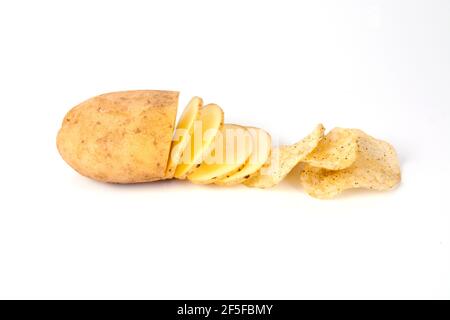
(376, 167)
(202, 135)
(181, 137)
(284, 158)
(230, 151)
(261, 148)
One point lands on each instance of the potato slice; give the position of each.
(338, 150)
(376, 167)
(283, 159)
(202, 135)
(232, 148)
(262, 145)
(181, 137)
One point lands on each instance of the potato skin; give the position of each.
(120, 137)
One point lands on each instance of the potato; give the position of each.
(120, 137)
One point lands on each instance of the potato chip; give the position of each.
(336, 151)
(283, 159)
(376, 168)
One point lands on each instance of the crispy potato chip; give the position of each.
(376, 167)
(283, 159)
(336, 151)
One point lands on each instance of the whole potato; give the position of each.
(120, 137)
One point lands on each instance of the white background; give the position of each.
(382, 66)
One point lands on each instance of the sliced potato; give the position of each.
(181, 138)
(283, 159)
(202, 135)
(376, 167)
(338, 150)
(232, 148)
(262, 145)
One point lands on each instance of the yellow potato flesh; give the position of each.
(202, 135)
(262, 144)
(232, 148)
(181, 137)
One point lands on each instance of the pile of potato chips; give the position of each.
(341, 160)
